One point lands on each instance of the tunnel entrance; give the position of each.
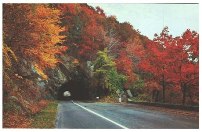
(77, 88)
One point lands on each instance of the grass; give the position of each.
(45, 118)
(137, 99)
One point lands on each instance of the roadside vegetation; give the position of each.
(45, 118)
(17, 116)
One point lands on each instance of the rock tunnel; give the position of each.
(78, 85)
(78, 90)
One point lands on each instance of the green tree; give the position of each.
(105, 71)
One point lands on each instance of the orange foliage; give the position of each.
(13, 120)
(21, 120)
(40, 72)
(32, 31)
(37, 107)
(45, 35)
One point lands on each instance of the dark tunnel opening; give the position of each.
(77, 88)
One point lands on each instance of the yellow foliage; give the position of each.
(40, 72)
(8, 54)
(33, 32)
(45, 35)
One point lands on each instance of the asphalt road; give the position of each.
(81, 115)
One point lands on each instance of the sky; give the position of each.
(151, 18)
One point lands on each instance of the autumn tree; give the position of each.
(156, 61)
(45, 35)
(32, 31)
(85, 30)
(185, 65)
(112, 38)
(73, 25)
(30, 36)
(125, 66)
(31, 41)
(172, 62)
(126, 31)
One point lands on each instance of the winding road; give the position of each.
(85, 115)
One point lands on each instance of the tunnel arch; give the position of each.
(77, 85)
(78, 90)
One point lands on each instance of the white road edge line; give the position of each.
(101, 116)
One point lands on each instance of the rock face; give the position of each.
(56, 79)
(129, 93)
(24, 68)
(20, 89)
(124, 98)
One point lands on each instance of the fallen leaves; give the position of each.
(108, 99)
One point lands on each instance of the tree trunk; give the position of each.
(163, 90)
(153, 95)
(157, 96)
(184, 95)
(190, 97)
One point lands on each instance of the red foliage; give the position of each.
(172, 60)
(22, 120)
(124, 63)
(92, 40)
(71, 8)
(37, 107)
(13, 120)
(125, 66)
(186, 66)
(84, 26)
